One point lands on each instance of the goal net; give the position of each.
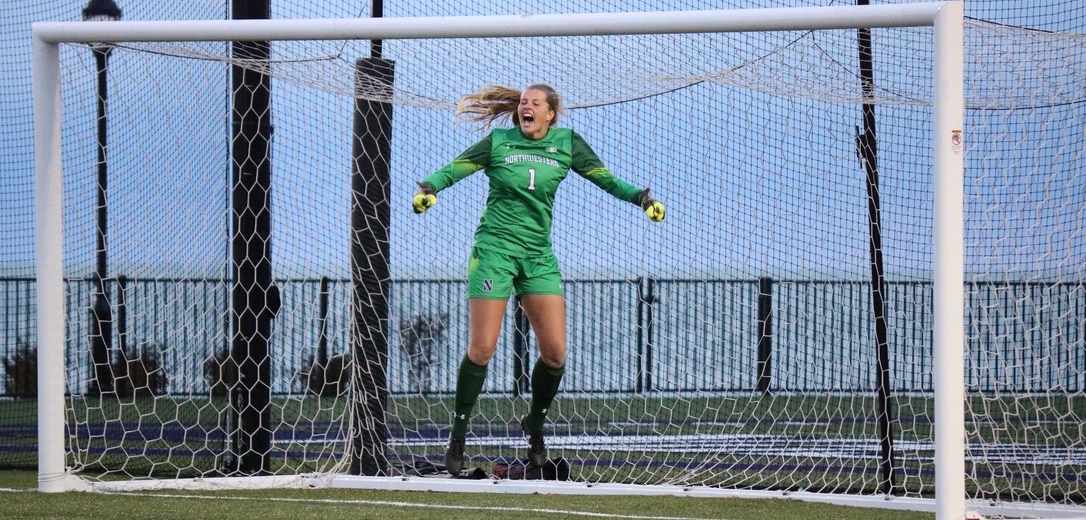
(253, 296)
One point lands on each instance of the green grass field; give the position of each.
(19, 500)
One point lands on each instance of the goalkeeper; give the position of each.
(512, 250)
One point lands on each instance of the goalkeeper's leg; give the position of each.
(486, 319)
(469, 382)
(547, 314)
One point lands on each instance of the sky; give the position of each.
(760, 176)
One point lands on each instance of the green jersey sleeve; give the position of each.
(470, 161)
(588, 165)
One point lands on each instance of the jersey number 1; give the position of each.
(531, 179)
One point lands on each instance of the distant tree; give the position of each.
(21, 371)
(330, 379)
(418, 338)
(139, 371)
(220, 372)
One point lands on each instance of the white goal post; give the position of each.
(947, 148)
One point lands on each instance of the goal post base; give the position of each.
(306, 481)
(62, 482)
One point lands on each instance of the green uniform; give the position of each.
(524, 175)
(512, 248)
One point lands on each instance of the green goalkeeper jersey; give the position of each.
(524, 175)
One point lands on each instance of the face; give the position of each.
(535, 114)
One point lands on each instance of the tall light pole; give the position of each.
(101, 314)
(868, 151)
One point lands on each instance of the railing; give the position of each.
(625, 336)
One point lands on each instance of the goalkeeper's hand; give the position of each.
(654, 209)
(425, 198)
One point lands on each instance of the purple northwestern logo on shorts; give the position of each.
(488, 284)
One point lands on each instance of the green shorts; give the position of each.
(494, 275)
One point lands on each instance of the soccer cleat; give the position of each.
(454, 455)
(537, 451)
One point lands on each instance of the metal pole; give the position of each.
(371, 217)
(322, 320)
(376, 45)
(868, 151)
(765, 335)
(101, 328)
(101, 57)
(101, 314)
(254, 300)
(49, 267)
(499, 26)
(646, 297)
(949, 252)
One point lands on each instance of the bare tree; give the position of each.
(418, 337)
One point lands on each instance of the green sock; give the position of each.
(469, 382)
(545, 382)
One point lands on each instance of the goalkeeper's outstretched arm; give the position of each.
(588, 165)
(472, 160)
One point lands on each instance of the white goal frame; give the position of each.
(946, 18)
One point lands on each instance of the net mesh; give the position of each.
(750, 140)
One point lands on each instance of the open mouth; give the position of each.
(527, 118)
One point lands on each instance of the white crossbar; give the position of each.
(730, 20)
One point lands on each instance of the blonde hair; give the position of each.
(494, 102)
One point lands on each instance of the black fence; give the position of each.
(625, 336)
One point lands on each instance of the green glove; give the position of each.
(653, 209)
(424, 199)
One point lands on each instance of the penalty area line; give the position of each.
(561, 512)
